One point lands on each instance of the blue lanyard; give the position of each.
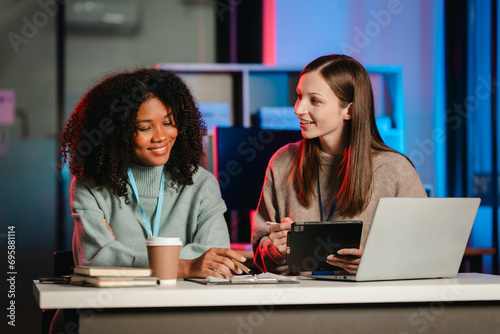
(321, 204)
(159, 204)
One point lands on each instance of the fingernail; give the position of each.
(243, 259)
(330, 258)
(340, 252)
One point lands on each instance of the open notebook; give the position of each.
(415, 238)
(266, 278)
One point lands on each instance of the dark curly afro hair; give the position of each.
(99, 136)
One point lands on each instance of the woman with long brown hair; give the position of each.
(337, 172)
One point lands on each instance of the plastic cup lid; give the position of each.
(162, 241)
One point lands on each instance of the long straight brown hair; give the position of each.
(350, 82)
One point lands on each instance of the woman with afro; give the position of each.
(133, 144)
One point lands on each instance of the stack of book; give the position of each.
(112, 276)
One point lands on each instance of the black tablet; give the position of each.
(310, 243)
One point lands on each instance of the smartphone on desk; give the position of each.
(310, 243)
(55, 280)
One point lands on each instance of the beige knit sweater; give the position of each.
(393, 176)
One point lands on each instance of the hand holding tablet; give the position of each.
(312, 245)
(347, 258)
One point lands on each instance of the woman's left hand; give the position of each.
(347, 259)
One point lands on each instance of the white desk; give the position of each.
(467, 303)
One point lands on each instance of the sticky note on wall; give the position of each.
(7, 107)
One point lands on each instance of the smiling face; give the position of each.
(321, 113)
(155, 134)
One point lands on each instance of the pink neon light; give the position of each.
(269, 32)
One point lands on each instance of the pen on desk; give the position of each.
(108, 227)
(245, 268)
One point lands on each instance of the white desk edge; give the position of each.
(464, 287)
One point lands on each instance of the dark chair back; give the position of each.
(63, 262)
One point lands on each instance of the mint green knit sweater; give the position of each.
(194, 213)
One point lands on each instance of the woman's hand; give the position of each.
(214, 262)
(347, 259)
(278, 234)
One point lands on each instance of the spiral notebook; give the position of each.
(266, 278)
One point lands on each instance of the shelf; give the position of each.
(246, 88)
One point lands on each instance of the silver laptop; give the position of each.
(413, 238)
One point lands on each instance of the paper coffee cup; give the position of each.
(163, 258)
